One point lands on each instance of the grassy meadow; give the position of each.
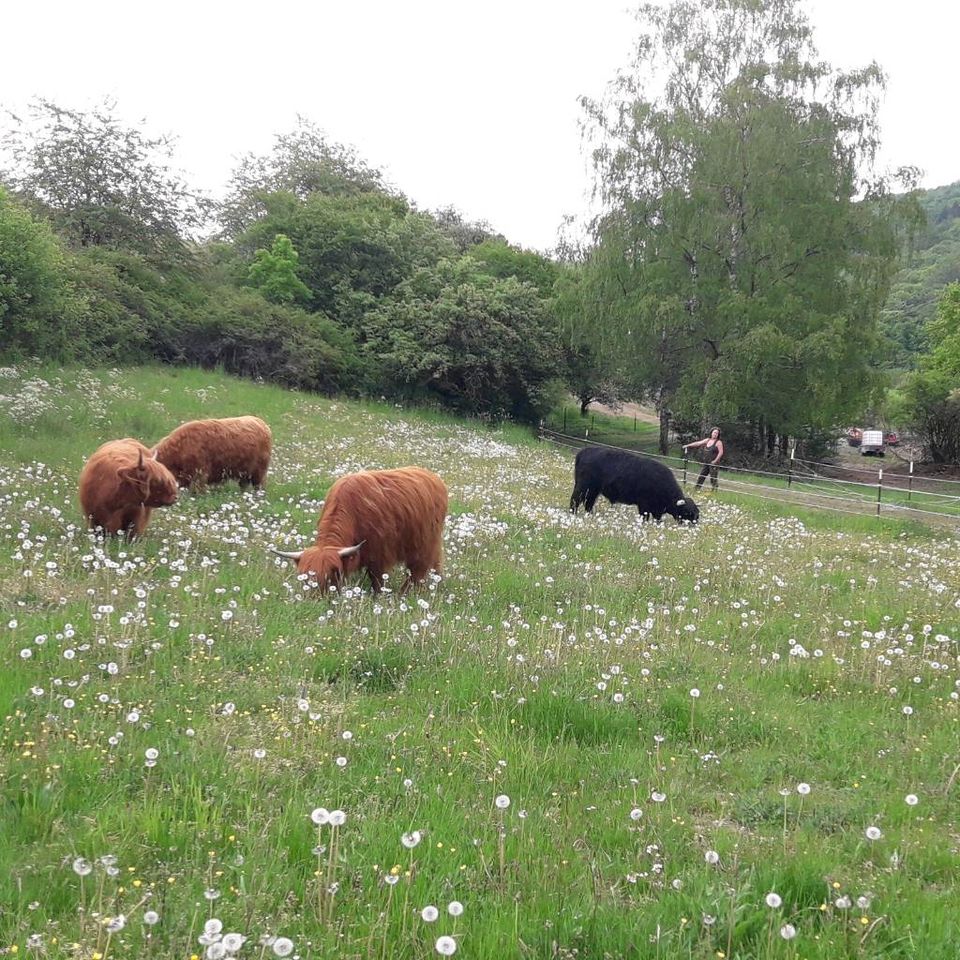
(592, 738)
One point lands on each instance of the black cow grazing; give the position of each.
(627, 478)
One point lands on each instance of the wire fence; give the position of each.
(809, 483)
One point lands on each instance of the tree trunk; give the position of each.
(664, 443)
(584, 403)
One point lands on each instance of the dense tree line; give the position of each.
(736, 271)
(318, 274)
(931, 396)
(930, 264)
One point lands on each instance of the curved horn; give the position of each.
(287, 554)
(350, 551)
(140, 461)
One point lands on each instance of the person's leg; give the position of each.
(713, 477)
(702, 477)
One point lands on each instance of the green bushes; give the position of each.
(475, 343)
(39, 308)
(322, 278)
(246, 335)
(932, 396)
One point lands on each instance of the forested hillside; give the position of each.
(919, 284)
(312, 272)
(738, 270)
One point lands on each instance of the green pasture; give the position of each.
(602, 738)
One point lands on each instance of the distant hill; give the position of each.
(934, 263)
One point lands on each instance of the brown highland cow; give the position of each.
(119, 486)
(209, 451)
(374, 520)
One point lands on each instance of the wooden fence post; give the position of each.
(564, 419)
(684, 468)
(879, 489)
(790, 468)
(910, 483)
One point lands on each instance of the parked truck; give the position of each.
(871, 444)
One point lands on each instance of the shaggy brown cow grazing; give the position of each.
(120, 484)
(209, 451)
(374, 520)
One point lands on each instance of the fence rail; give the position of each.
(887, 495)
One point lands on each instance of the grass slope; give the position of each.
(554, 665)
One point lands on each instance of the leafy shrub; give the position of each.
(474, 342)
(246, 335)
(39, 308)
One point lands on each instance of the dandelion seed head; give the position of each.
(232, 942)
(446, 946)
(282, 947)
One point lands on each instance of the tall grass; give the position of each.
(552, 665)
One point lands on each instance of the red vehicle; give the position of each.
(854, 436)
(891, 439)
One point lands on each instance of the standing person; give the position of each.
(712, 451)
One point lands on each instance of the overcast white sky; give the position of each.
(470, 104)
